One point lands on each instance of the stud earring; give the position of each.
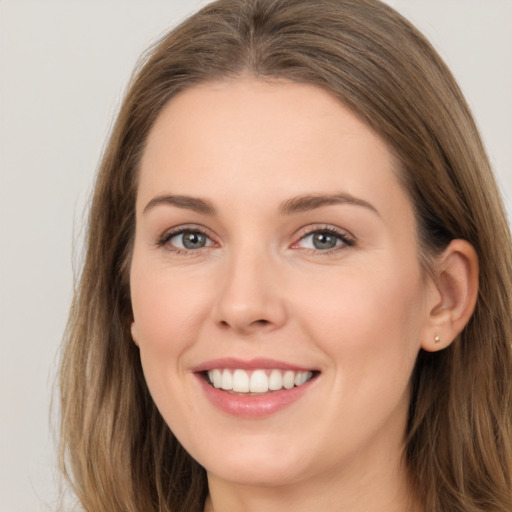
(437, 339)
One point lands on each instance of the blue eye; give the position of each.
(324, 240)
(188, 240)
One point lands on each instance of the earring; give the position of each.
(437, 339)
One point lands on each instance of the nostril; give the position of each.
(261, 322)
(249, 327)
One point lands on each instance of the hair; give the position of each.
(116, 450)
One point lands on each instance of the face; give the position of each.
(277, 296)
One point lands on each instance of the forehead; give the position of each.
(250, 135)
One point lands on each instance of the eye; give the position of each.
(186, 239)
(326, 239)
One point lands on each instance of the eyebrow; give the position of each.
(293, 205)
(187, 202)
(310, 202)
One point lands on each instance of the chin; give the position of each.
(257, 467)
(249, 475)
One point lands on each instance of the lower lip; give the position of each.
(252, 406)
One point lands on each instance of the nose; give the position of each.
(251, 296)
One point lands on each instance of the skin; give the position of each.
(358, 314)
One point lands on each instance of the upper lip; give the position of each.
(251, 364)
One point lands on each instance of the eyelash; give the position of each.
(164, 240)
(345, 239)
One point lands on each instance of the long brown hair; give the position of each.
(116, 450)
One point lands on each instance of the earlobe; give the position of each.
(133, 330)
(456, 286)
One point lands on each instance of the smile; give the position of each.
(254, 388)
(257, 381)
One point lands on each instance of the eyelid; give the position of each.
(168, 234)
(347, 239)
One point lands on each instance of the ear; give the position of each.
(133, 329)
(453, 297)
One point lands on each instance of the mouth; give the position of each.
(255, 388)
(256, 382)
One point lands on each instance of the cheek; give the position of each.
(370, 330)
(167, 310)
(167, 314)
(369, 322)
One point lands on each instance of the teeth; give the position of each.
(240, 381)
(257, 381)
(226, 381)
(289, 380)
(216, 378)
(275, 380)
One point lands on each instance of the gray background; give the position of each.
(63, 68)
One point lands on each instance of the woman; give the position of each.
(297, 284)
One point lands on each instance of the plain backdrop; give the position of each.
(63, 69)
